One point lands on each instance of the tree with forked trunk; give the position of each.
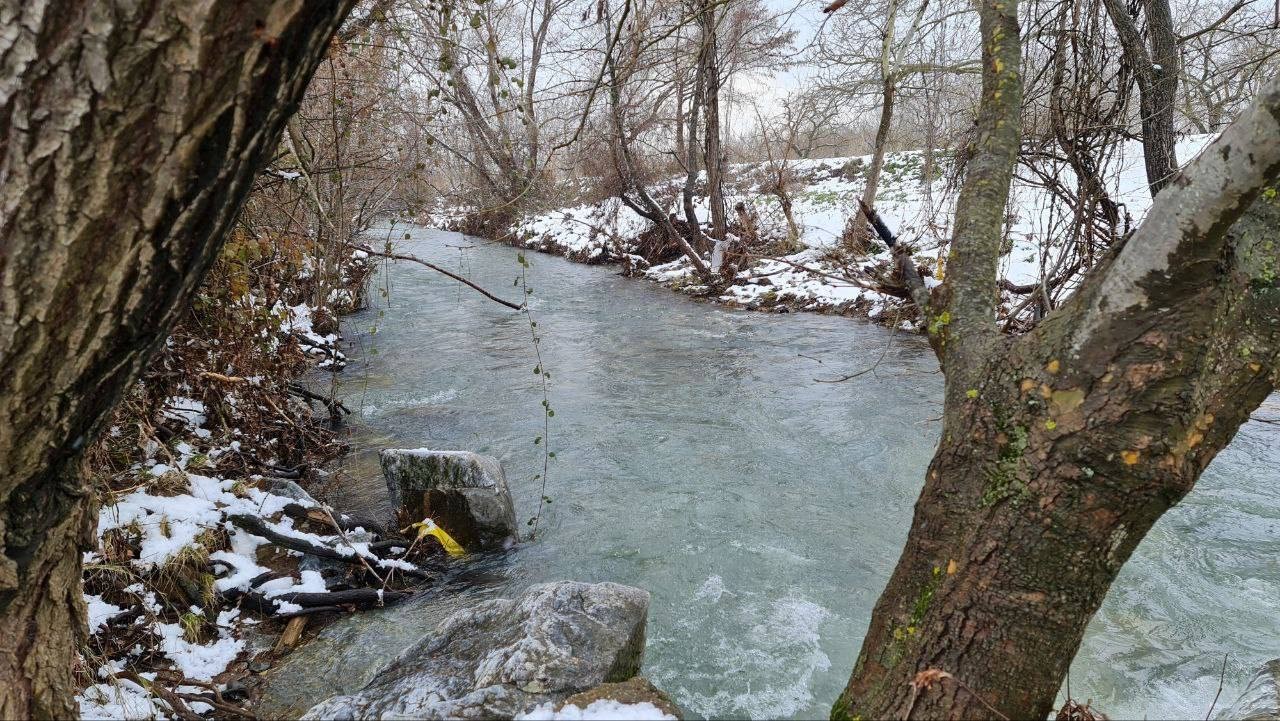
(130, 134)
(1156, 69)
(1060, 448)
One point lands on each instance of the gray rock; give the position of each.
(503, 657)
(1261, 698)
(465, 493)
(288, 489)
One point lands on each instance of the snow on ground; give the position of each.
(178, 517)
(170, 525)
(602, 710)
(824, 196)
(120, 699)
(297, 321)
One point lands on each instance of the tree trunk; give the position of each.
(714, 160)
(888, 93)
(129, 136)
(1157, 75)
(696, 97)
(1062, 447)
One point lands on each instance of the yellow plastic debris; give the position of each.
(427, 527)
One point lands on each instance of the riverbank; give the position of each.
(820, 267)
(209, 475)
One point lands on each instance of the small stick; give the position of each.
(292, 632)
(1221, 678)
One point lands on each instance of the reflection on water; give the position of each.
(697, 458)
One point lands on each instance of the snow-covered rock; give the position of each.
(505, 657)
(634, 698)
(465, 493)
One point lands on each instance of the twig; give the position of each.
(217, 700)
(1221, 678)
(174, 701)
(888, 344)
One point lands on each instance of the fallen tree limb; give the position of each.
(906, 264)
(214, 698)
(438, 269)
(175, 702)
(311, 611)
(258, 527)
(333, 404)
(316, 602)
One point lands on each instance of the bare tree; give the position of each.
(893, 63)
(1156, 67)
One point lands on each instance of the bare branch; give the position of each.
(438, 269)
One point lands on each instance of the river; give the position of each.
(698, 457)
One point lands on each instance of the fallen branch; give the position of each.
(333, 404)
(906, 264)
(438, 269)
(258, 527)
(223, 378)
(175, 703)
(214, 698)
(317, 602)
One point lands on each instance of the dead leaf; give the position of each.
(928, 677)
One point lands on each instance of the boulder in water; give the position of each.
(504, 657)
(464, 493)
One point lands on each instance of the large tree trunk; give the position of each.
(1062, 447)
(129, 136)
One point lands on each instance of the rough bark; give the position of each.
(129, 135)
(1061, 448)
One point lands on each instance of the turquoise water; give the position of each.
(697, 457)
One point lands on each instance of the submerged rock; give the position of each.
(1261, 698)
(465, 493)
(503, 657)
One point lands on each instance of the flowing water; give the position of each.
(698, 457)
